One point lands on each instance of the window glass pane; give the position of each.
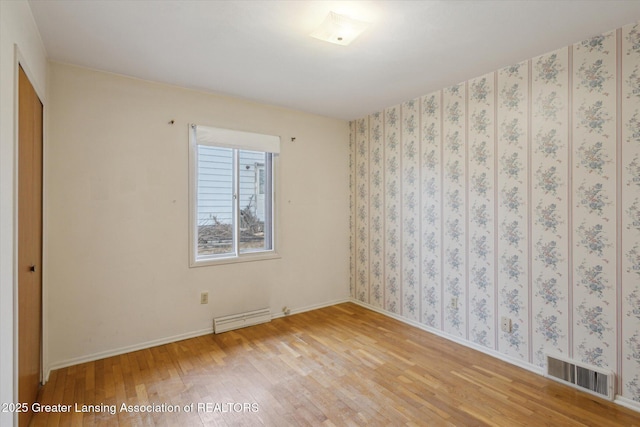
(215, 201)
(253, 201)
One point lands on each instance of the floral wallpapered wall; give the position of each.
(515, 194)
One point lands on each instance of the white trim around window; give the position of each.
(230, 219)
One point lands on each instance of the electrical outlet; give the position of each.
(204, 297)
(454, 302)
(505, 324)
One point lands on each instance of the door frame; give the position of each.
(21, 61)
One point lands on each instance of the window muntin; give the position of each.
(232, 195)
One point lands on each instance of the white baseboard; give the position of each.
(627, 403)
(622, 401)
(311, 307)
(535, 369)
(126, 349)
(168, 340)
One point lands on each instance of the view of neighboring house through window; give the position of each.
(232, 193)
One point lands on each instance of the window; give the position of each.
(231, 190)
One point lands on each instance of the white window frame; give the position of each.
(237, 140)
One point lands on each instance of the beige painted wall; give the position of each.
(117, 210)
(19, 42)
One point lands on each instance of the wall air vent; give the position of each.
(591, 379)
(241, 320)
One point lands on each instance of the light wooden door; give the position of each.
(29, 244)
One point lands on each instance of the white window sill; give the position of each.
(248, 257)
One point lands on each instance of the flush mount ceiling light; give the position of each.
(339, 29)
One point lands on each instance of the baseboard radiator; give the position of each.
(591, 379)
(241, 320)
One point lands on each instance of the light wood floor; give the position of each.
(338, 366)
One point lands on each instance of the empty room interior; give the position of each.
(320, 213)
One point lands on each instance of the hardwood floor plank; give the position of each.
(338, 366)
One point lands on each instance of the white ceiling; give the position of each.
(262, 51)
